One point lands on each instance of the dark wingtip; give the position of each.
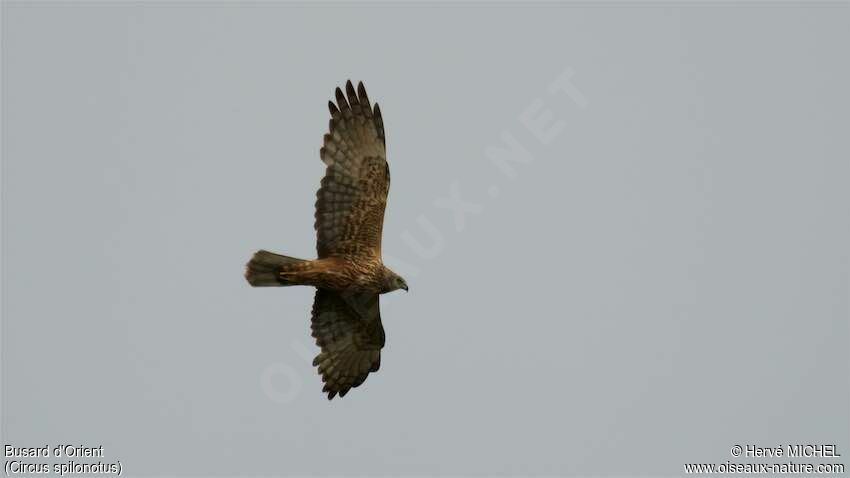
(340, 99)
(332, 108)
(327, 389)
(379, 120)
(361, 92)
(349, 89)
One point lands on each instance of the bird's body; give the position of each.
(337, 273)
(348, 273)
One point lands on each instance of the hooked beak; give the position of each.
(405, 287)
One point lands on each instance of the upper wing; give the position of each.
(349, 331)
(351, 200)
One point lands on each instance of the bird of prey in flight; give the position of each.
(348, 275)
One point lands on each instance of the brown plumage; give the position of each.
(348, 274)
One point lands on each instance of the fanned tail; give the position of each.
(265, 269)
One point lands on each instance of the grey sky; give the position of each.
(665, 276)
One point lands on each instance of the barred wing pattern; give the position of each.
(353, 195)
(349, 331)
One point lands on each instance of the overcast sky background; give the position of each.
(666, 277)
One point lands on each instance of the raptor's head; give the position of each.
(393, 281)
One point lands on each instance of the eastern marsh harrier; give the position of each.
(348, 275)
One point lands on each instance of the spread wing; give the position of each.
(351, 200)
(349, 331)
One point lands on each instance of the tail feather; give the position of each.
(264, 269)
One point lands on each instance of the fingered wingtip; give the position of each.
(352, 95)
(340, 99)
(361, 92)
